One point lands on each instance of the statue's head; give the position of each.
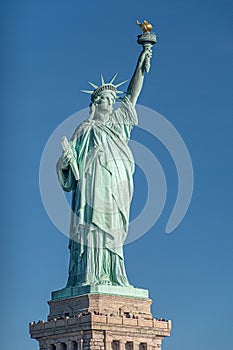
(104, 101)
(104, 91)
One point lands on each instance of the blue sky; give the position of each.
(49, 50)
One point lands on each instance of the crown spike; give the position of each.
(87, 91)
(93, 85)
(113, 78)
(105, 87)
(123, 82)
(102, 79)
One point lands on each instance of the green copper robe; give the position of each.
(101, 198)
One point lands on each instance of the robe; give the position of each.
(100, 198)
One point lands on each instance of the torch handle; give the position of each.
(147, 59)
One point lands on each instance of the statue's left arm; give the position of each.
(135, 85)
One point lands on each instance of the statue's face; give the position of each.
(105, 102)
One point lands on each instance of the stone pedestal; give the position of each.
(100, 322)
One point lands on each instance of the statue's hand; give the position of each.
(67, 156)
(144, 59)
(145, 55)
(143, 65)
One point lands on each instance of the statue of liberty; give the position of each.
(97, 166)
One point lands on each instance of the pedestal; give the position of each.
(100, 322)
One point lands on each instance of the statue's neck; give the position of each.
(100, 116)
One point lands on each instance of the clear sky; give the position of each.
(49, 50)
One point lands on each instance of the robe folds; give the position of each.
(100, 198)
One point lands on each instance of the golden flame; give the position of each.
(145, 26)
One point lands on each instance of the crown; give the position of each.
(104, 87)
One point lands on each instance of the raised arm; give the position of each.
(135, 85)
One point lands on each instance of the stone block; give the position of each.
(95, 321)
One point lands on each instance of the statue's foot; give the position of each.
(105, 282)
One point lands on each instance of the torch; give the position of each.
(147, 39)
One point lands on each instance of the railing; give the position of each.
(104, 319)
